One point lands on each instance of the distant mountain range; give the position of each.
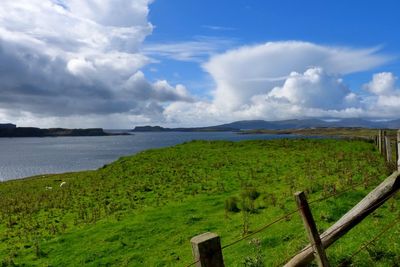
(279, 125)
(219, 128)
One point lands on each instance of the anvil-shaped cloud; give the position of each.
(292, 79)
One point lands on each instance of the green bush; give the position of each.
(231, 204)
(255, 259)
(250, 193)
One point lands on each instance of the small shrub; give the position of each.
(8, 262)
(193, 220)
(248, 197)
(251, 193)
(345, 262)
(247, 206)
(231, 204)
(270, 199)
(256, 258)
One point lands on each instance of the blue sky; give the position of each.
(342, 23)
(122, 63)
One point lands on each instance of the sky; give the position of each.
(124, 63)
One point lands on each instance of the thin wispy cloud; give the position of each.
(197, 50)
(265, 79)
(218, 28)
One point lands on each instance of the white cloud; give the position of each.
(383, 83)
(386, 95)
(311, 94)
(64, 58)
(241, 73)
(218, 28)
(116, 13)
(313, 89)
(137, 87)
(286, 80)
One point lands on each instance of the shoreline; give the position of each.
(18, 132)
(39, 175)
(303, 133)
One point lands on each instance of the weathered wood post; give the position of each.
(397, 150)
(311, 228)
(207, 250)
(388, 146)
(380, 141)
(353, 217)
(383, 143)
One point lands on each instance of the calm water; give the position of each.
(22, 157)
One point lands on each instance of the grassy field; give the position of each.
(347, 132)
(142, 210)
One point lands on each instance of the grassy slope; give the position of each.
(354, 132)
(143, 210)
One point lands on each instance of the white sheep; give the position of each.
(49, 188)
(62, 184)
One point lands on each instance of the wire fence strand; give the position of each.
(336, 194)
(193, 263)
(261, 229)
(288, 258)
(370, 208)
(290, 213)
(282, 218)
(379, 235)
(339, 193)
(365, 245)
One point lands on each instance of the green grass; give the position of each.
(142, 210)
(343, 132)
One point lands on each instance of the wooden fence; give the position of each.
(207, 251)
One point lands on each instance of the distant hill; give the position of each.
(195, 129)
(7, 126)
(311, 123)
(53, 132)
(278, 125)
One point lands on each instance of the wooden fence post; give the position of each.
(388, 146)
(383, 144)
(311, 228)
(207, 250)
(380, 141)
(353, 217)
(397, 150)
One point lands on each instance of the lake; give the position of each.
(23, 157)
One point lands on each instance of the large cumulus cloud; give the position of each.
(73, 57)
(293, 79)
(385, 99)
(313, 89)
(250, 70)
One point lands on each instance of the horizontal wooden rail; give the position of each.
(366, 206)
